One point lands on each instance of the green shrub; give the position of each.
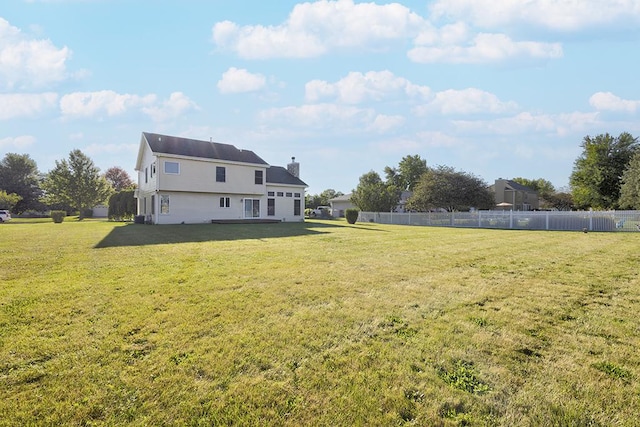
(58, 216)
(351, 215)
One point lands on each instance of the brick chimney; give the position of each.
(294, 168)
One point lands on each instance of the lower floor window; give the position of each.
(271, 207)
(296, 207)
(164, 204)
(225, 202)
(251, 208)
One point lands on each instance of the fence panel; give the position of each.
(516, 220)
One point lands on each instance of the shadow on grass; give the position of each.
(142, 235)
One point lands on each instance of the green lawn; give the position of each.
(318, 323)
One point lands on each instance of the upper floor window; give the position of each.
(172, 167)
(258, 177)
(221, 174)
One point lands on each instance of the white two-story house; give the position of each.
(183, 180)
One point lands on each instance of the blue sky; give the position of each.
(497, 88)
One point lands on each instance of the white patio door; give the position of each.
(251, 208)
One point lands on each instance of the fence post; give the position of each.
(546, 221)
(511, 218)
(591, 220)
(479, 219)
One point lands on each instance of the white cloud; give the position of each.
(357, 87)
(607, 101)
(97, 149)
(91, 104)
(109, 103)
(559, 15)
(383, 123)
(236, 80)
(19, 105)
(319, 116)
(485, 48)
(177, 104)
(528, 123)
(314, 28)
(29, 63)
(17, 142)
(466, 101)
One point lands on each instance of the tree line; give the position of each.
(606, 175)
(75, 184)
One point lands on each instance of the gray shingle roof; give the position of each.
(280, 175)
(519, 187)
(195, 148)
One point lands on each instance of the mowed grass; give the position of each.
(318, 323)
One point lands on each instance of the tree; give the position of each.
(630, 189)
(19, 175)
(561, 200)
(373, 195)
(407, 174)
(76, 182)
(118, 178)
(8, 201)
(597, 174)
(445, 188)
(322, 199)
(122, 205)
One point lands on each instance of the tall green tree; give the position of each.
(630, 189)
(76, 182)
(19, 175)
(374, 195)
(445, 188)
(597, 174)
(407, 174)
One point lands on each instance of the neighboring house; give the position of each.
(514, 196)
(183, 180)
(100, 211)
(341, 203)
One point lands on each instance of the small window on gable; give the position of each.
(172, 167)
(258, 178)
(221, 174)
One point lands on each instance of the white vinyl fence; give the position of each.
(517, 220)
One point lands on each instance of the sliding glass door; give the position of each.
(251, 208)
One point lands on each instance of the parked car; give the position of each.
(321, 211)
(5, 216)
